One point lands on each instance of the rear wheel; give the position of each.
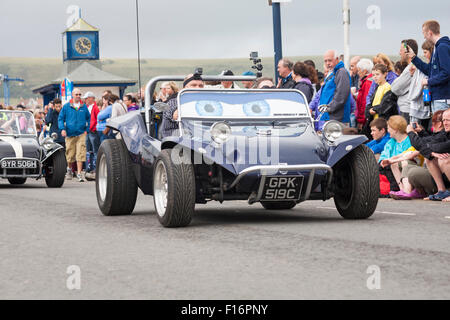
(356, 184)
(17, 181)
(115, 184)
(278, 205)
(173, 191)
(57, 165)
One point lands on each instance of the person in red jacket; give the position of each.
(364, 68)
(92, 138)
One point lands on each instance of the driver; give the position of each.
(170, 116)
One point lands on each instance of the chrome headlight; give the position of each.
(220, 132)
(332, 130)
(48, 143)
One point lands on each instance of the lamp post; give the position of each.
(277, 45)
(6, 79)
(346, 16)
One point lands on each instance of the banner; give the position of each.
(66, 90)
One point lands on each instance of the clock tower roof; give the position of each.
(81, 25)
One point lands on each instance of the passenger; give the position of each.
(170, 117)
(228, 84)
(248, 84)
(265, 83)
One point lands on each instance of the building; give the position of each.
(82, 65)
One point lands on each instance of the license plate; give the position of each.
(282, 188)
(18, 164)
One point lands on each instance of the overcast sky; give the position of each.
(215, 28)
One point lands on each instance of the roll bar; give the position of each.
(151, 85)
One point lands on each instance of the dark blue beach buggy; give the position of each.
(254, 145)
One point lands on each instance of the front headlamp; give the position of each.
(220, 132)
(332, 130)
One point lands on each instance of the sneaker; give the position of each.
(90, 176)
(80, 177)
(69, 174)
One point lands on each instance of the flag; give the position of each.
(66, 90)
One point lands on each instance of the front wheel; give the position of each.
(356, 184)
(173, 190)
(17, 181)
(56, 170)
(278, 205)
(115, 184)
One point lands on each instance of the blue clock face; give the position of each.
(82, 45)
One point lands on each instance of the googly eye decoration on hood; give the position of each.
(257, 109)
(209, 108)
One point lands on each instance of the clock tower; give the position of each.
(80, 42)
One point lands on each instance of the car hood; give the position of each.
(21, 147)
(239, 153)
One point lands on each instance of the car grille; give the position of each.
(7, 173)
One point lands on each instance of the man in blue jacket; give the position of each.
(438, 70)
(74, 120)
(335, 93)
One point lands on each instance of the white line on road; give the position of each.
(447, 217)
(397, 213)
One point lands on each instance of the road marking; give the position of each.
(385, 212)
(397, 213)
(447, 217)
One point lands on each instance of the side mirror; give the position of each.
(161, 106)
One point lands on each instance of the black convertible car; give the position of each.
(23, 155)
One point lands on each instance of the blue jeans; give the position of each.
(92, 145)
(439, 105)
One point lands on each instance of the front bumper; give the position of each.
(22, 172)
(265, 170)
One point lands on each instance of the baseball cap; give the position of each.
(227, 73)
(89, 94)
(248, 73)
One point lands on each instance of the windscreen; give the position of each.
(242, 105)
(17, 123)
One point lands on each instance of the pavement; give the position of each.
(56, 244)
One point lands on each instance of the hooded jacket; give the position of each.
(438, 70)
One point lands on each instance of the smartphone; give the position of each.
(414, 125)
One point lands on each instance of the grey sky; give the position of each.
(214, 28)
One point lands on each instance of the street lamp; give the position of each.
(278, 50)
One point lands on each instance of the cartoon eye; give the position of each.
(257, 109)
(209, 108)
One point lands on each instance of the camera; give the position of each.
(256, 63)
(198, 71)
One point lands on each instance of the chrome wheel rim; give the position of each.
(160, 188)
(102, 176)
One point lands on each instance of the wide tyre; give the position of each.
(278, 205)
(115, 183)
(173, 190)
(17, 181)
(356, 184)
(56, 170)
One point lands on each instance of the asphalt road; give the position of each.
(230, 251)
